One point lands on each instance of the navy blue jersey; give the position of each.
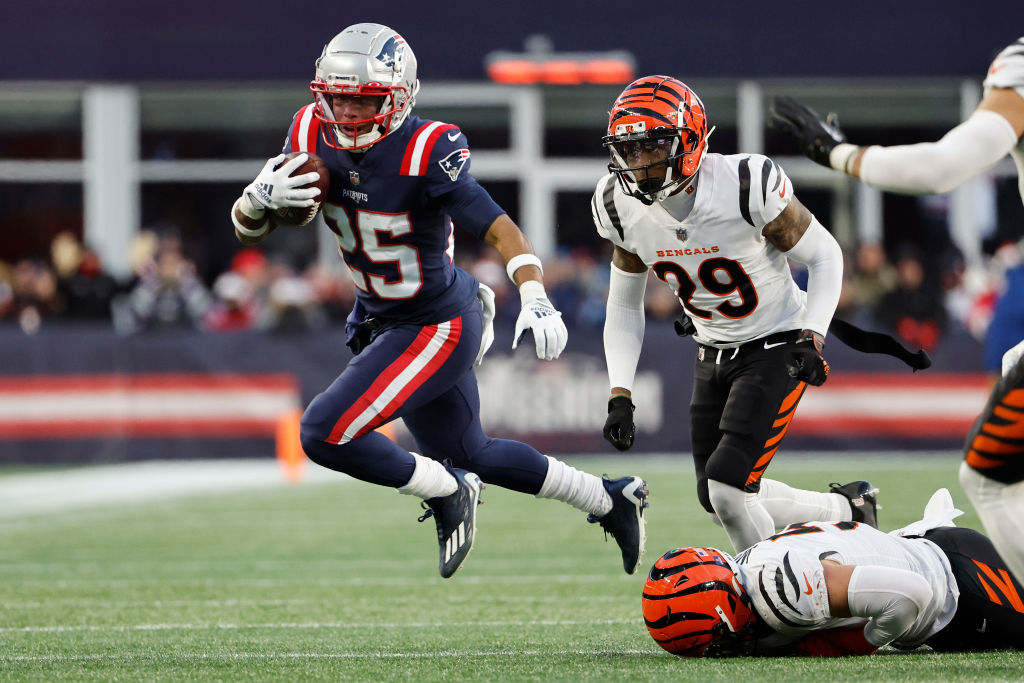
(386, 207)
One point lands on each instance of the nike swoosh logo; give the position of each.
(453, 136)
(809, 589)
(782, 192)
(772, 346)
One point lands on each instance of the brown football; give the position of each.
(303, 215)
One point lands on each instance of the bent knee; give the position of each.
(727, 501)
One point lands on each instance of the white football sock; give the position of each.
(745, 520)
(1001, 509)
(577, 488)
(787, 505)
(430, 479)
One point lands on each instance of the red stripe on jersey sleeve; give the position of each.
(429, 147)
(296, 125)
(409, 147)
(314, 130)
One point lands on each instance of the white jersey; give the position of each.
(785, 579)
(733, 283)
(1007, 71)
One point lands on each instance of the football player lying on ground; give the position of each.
(833, 589)
(992, 473)
(420, 323)
(720, 231)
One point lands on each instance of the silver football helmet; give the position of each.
(365, 60)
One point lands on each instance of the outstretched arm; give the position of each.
(987, 136)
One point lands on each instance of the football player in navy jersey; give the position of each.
(419, 324)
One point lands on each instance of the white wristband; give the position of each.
(520, 260)
(259, 232)
(252, 209)
(841, 155)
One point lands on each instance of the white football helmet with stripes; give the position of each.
(365, 60)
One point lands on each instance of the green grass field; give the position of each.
(335, 580)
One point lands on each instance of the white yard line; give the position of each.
(41, 493)
(205, 656)
(344, 625)
(392, 581)
(97, 603)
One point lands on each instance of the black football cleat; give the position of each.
(455, 516)
(625, 521)
(863, 499)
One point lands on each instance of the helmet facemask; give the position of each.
(390, 110)
(656, 122)
(682, 145)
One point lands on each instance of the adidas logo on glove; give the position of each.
(263, 192)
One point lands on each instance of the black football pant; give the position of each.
(743, 400)
(990, 612)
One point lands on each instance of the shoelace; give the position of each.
(429, 512)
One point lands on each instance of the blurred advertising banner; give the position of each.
(83, 394)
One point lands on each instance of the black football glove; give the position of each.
(357, 337)
(684, 326)
(805, 362)
(817, 136)
(619, 428)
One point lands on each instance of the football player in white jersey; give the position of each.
(720, 232)
(993, 482)
(834, 589)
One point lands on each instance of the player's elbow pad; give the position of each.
(892, 599)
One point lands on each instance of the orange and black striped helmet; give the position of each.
(656, 112)
(694, 604)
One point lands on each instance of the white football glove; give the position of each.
(539, 315)
(1011, 357)
(486, 296)
(277, 189)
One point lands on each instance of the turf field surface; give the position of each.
(232, 574)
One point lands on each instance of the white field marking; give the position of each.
(399, 581)
(83, 565)
(122, 628)
(206, 656)
(95, 603)
(40, 493)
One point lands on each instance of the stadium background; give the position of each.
(129, 127)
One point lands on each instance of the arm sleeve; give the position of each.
(935, 167)
(820, 252)
(624, 326)
(891, 599)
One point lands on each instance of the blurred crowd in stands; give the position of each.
(903, 292)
